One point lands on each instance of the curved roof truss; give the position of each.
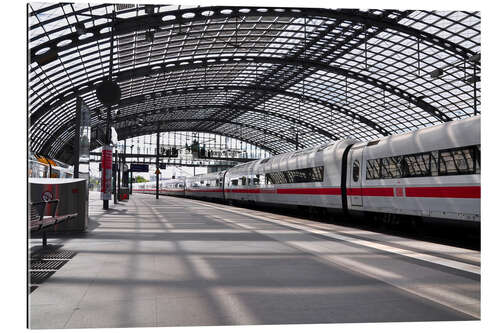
(325, 74)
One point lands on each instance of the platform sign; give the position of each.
(106, 174)
(139, 167)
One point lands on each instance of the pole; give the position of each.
(158, 162)
(76, 144)
(124, 159)
(475, 90)
(131, 174)
(118, 171)
(115, 172)
(105, 203)
(297, 140)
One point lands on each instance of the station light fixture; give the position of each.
(80, 28)
(473, 79)
(475, 58)
(436, 73)
(149, 9)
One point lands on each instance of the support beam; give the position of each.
(76, 142)
(144, 22)
(214, 120)
(157, 162)
(145, 71)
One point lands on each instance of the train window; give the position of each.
(355, 171)
(446, 162)
(416, 165)
(296, 176)
(391, 167)
(265, 160)
(256, 180)
(459, 161)
(477, 158)
(434, 163)
(317, 174)
(243, 180)
(234, 182)
(373, 169)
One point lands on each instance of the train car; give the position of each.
(208, 186)
(432, 172)
(43, 167)
(307, 177)
(145, 187)
(174, 187)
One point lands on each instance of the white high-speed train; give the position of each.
(432, 172)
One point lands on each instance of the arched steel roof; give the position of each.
(254, 73)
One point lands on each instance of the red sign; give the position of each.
(47, 196)
(107, 164)
(399, 192)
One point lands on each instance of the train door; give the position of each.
(354, 184)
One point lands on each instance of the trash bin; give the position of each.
(123, 193)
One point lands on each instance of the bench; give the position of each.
(39, 222)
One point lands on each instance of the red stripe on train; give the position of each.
(465, 192)
(313, 190)
(371, 191)
(215, 190)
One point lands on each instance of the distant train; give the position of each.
(43, 167)
(432, 172)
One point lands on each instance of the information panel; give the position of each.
(106, 174)
(139, 167)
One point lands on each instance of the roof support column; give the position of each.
(76, 142)
(158, 162)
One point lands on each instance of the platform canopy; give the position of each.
(268, 76)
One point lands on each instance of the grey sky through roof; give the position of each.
(253, 73)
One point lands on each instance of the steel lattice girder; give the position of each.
(301, 60)
(183, 65)
(70, 125)
(156, 20)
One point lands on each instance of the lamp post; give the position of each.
(131, 175)
(295, 131)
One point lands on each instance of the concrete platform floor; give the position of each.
(181, 262)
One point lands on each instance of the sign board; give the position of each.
(163, 165)
(106, 174)
(139, 167)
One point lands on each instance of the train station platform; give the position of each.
(181, 262)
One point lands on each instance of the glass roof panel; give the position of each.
(324, 73)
